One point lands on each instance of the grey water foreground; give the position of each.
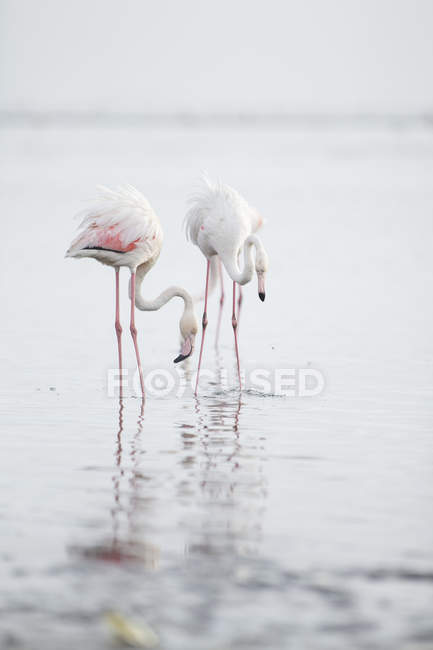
(234, 522)
(231, 520)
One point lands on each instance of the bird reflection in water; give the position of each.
(129, 547)
(224, 476)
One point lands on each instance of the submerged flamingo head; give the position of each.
(188, 328)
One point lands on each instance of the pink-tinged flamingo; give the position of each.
(221, 223)
(122, 229)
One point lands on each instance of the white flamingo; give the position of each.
(215, 275)
(221, 223)
(122, 229)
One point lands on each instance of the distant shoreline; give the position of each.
(193, 120)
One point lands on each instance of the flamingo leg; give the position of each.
(240, 301)
(220, 313)
(235, 327)
(204, 325)
(118, 327)
(133, 331)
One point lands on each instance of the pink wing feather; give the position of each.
(109, 237)
(120, 221)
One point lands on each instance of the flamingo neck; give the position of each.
(163, 298)
(231, 262)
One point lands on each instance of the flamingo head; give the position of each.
(261, 269)
(188, 328)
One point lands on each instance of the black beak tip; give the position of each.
(182, 357)
(262, 296)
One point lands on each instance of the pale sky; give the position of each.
(217, 56)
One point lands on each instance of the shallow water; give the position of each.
(226, 521)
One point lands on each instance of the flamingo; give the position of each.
(216, 269)
(221, 223)
(122, 229)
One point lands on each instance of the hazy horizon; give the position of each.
(280, 58)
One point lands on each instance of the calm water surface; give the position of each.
(226, 521)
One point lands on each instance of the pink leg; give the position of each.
(240, 297)
(204, 324)
(235, 327)
(220, 271)
(133, 331)
(118, 327)
(240, 300)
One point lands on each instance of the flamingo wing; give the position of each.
(119, 222)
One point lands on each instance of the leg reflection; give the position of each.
(224, 470)
(125, 543)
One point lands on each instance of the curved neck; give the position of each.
(232, 266)
(162, 299)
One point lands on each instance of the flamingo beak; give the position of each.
(261, 281)
(186, 349)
